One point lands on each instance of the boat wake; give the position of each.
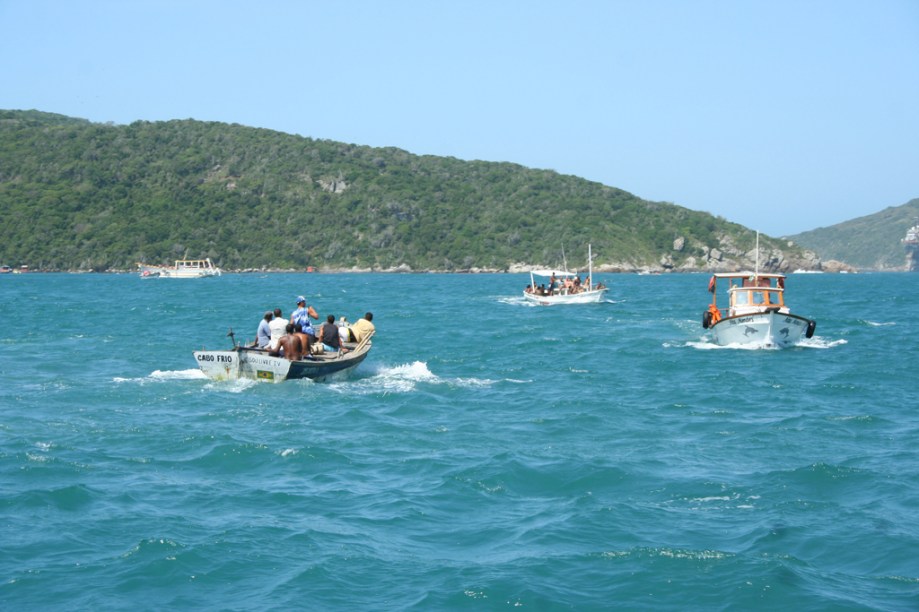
(161, 376)
(821, 343)
(404, 378)
(706, 345)
(517, 301)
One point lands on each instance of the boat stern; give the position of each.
(218, 365)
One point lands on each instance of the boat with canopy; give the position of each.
(183, 268)
(564, 287)
(756, 312)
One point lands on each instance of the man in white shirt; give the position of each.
(278, 327)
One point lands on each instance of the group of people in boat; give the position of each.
(298, 338)
(568, 286)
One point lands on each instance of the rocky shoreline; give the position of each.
(829, 266)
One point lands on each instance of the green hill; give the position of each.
(870, 242)
(76, 195)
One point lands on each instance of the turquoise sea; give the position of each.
(487, 455)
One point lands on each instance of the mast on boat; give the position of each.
(590, 267)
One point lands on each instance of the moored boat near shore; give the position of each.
(183, 268)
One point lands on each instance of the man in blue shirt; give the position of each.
(263, 335)
(302, 315)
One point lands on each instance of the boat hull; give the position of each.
(768, 329)
(255, 364)
(585, 297)
(151, 272)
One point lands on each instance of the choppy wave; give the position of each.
(581, 457)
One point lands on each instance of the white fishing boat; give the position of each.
(564, 287)
(756, 312)
(183, 268)
(257, 364)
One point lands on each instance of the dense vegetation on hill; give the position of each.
(872, 242)
(79, 195)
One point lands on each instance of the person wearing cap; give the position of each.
(302, 315)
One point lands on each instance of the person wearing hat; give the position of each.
(302, 315)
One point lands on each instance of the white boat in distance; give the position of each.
(756, 312)
(183, 268)
(564, 287)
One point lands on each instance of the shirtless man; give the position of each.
(305, 339)
(289, 345)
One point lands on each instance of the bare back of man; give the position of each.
(304, 343)
(292, 347)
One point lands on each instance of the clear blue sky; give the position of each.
(781, 115)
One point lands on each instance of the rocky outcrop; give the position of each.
(727, 256)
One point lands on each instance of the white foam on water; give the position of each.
(237, 385)
(518, 301)
(163, 375)
(189, 374)
(818, 342)
(706, 345)
(405, 378)
(416, 371)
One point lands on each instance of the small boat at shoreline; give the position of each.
(183, 268)
(257, 364)
(756, 313)
(564, 287)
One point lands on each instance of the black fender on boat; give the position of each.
(706, 319)
(811, 327)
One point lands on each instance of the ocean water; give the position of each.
(487, 455)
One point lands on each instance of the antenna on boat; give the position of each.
(756, 269)
(232, 336)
